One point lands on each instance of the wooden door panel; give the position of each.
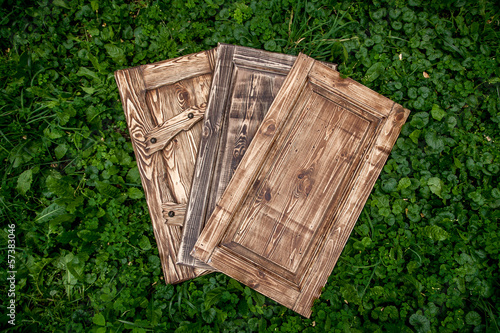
(245, 84)
(287, 213)
(164, 103)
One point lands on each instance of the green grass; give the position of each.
(424, 255)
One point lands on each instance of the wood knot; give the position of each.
(306, 182)
(183, 96)
(400, 115)
(207, 130)
(267, 195)
(239, 152)
(269, 128)
(253, 284)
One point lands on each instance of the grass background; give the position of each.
(424, 255)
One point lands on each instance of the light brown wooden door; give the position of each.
(246, 81)
(164, 103)
(290, 207)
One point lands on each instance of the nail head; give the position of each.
(153, 140)
(171, 213)
(190, 115)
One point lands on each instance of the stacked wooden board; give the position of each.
(244, 86)
(288, 154)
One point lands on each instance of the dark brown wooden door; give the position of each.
(287, 213)
(245, 84)
(164, 103)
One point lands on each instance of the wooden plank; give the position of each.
(161, 135)
(245, 84)
(181, 68)
(297, 193)
(157, 100)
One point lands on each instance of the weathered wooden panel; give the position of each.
(291, 205)
(245, 84)
(164, 103)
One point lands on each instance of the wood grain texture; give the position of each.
(157, 98)
(185, 67)
(245, 84)
(291, 205)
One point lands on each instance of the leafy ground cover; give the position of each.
(424, 255)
